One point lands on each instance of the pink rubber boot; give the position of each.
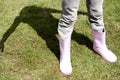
(100, 47)
(65, 61)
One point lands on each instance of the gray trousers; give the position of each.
(69, 16)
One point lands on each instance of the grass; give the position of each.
(29, 42)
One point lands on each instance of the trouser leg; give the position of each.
(68, 17)
(95, 14)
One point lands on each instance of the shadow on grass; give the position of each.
(82, 40)
(42, 21)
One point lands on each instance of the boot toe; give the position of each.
(106, 54)
(111, 57)
(66, 69)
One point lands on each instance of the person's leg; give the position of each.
(95, 13)
(65, 29)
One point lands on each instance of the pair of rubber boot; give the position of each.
(99, 46)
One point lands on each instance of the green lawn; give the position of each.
(29, 42)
